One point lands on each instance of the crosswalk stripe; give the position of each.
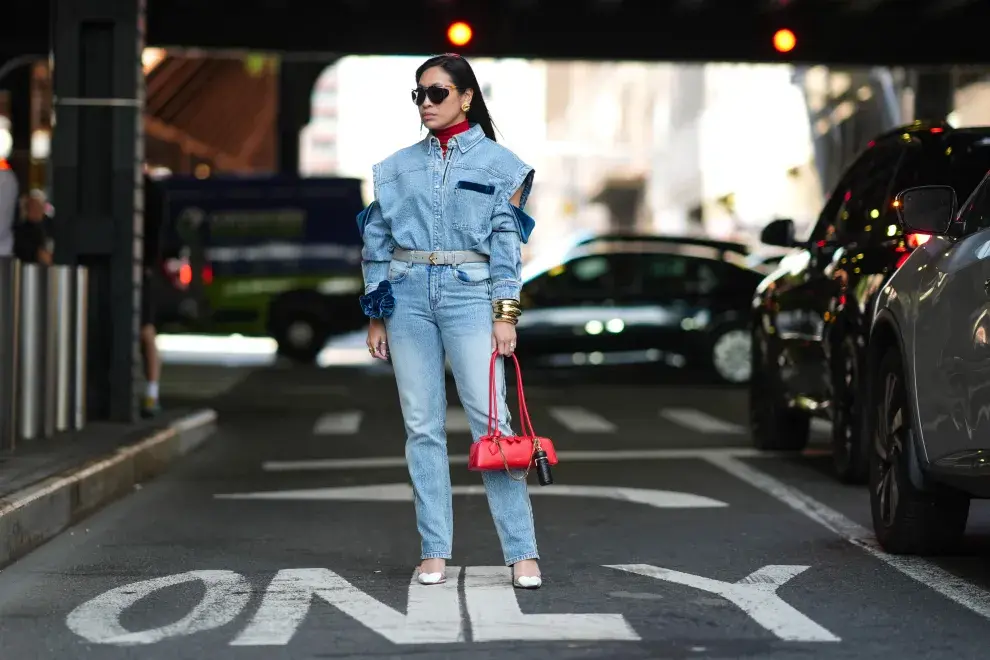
(579, 420)
(457, 420)
(338, 423)
(699, 421)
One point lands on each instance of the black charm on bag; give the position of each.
(542, 467)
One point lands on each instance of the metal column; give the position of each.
(31, 354)
(80, 336)
(97, 158)
(65, 334)
(10, 290)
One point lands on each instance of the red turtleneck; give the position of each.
(444, 134)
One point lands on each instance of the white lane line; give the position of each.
(951, 586)
(338, 423)
(579, 420)
(457, 420)
(699, 421)
(660, 499)
(318, 464)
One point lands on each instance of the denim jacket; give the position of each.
(424, 201)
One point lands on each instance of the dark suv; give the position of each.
(811, 317)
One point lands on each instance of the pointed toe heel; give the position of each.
(432, 578)
(527, 582)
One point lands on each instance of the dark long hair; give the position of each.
(462, 75)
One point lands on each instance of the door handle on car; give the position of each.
(986, 287)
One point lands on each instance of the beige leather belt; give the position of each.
(440, 257)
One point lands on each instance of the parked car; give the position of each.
(274, 256)
(929, 362)
(811, 317)
(641, 301)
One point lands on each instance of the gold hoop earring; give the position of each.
(466, 107)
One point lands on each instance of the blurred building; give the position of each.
(733, 151)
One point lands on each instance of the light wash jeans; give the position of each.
(445, 312)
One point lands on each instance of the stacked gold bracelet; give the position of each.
(506, 310)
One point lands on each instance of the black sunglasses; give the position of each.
(435, 93)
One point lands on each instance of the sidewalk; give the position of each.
(48, 485)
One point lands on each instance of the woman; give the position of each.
(441, 264)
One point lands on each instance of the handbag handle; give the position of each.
(525, 422)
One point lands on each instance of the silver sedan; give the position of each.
(928, 418)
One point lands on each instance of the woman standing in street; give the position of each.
(441, 264)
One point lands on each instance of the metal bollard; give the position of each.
(49, 382)
(81, 319)
(64, 296)
(31, 354)
(10, 307)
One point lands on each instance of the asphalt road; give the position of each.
(291, 535)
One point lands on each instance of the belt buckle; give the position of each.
(433, 258)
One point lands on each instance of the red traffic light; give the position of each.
(459, 33)
(784, 41)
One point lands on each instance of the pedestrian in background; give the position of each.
(151, 267)
(441, 264)
(33, 241)
(9, 191)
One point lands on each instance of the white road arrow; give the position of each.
(661, 499)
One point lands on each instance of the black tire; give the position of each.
(774, 426)
(300, 334)
(906, 520)
(850, 450)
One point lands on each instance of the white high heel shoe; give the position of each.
(527, 582)
(431, 578)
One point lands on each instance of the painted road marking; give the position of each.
(699, 421)
(338, 423)
(580, 420)
(433, 613)
(457, 420)
(968, 595)
(402, 492)
(330, 464)
(495, 614)
(755, 594)
(98, 620)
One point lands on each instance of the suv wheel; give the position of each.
(731, 355)
(301, 335)
(906, 520)
(773, 424)
(850, 457)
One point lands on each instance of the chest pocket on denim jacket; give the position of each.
(471, 206)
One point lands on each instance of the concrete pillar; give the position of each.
(295, 89)
(934, 95)
(97, 159)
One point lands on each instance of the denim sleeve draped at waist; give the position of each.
(424, 201)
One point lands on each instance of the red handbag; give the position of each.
(495, 451)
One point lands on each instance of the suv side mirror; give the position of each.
(927, 209)
(779, 233)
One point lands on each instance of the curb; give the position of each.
(39, 512)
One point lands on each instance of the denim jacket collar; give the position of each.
(464, 141)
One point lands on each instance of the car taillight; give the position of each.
(917, 240)
(185, 275)
(902, 259)
(180, 273)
